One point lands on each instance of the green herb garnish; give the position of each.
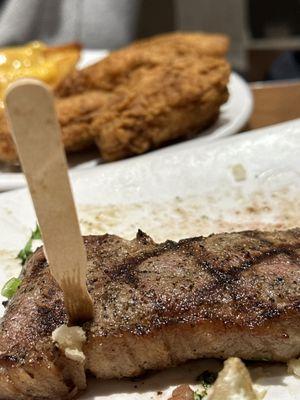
(36, 234)
(207, 378)
(199, 394)
(10, 288)
(26, 252)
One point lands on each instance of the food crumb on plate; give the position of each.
(239, 172)
(193, 215)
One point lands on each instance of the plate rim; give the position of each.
(15, 180)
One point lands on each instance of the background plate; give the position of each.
(222, 186)
(234, 115)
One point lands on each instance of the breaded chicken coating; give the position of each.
(171, 101)
(141, 97)
(117, 68)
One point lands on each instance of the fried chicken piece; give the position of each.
(172, 100)
(74, 114)
(140, 97)
(198, 43)
(117, 68)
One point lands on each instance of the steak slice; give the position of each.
(156, 305)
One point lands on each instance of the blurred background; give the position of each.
(265, 35)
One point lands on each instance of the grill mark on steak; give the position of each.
(125, 271)
(264, 256)
(234, 272)
(156, 305)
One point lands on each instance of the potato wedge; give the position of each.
(36, 60)
(66, 57)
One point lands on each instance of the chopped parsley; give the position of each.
(206, 379)
(10, 288)
(26, 252)
(199, 394)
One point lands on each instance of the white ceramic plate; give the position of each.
(234, 115)
(244, 182)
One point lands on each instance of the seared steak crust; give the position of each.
(231, 294)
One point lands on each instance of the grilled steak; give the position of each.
(156, 305)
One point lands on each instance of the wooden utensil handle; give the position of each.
(32, 116)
